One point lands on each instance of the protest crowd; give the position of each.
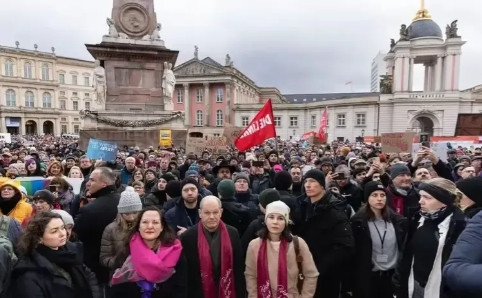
(282, 219)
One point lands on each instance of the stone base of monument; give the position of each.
(130, 128)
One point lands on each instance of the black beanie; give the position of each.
(471, 187)
(44, 194)
(268, 196)
(371, 187)
(173, 189)
(168, 177)
(189, 181)
(317, 175)
(282, 180)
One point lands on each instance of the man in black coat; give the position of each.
(326, 229)
(95, 216)
(210, 212)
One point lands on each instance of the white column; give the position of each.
(187, 106)
(397, 76)
(447, 72)
(207, 104)
(406, 73)
(438, 74)
(456, 72)
(410, 75)
(426, 78)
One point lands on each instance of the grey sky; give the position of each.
(302, 46)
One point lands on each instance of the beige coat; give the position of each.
(113, 240)
(309, 269)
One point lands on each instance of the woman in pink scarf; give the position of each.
(271, 261)
(153, 263)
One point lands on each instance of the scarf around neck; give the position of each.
(144, 264)
(226, 282)
(264, 287)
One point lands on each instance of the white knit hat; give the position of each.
(129, 201)
(278, 207)
(66, 217)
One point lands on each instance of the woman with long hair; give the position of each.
(153, 264)
(272, 269)
(33, 168)
(49, 267)
(431, 236)
(379, 235)
(55, 169)
(64, 193)
(115, 233)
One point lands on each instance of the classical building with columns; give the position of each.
(42, 93)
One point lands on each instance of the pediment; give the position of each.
(197, 68)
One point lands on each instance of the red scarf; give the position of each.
(226, 282)
(397, 202)
(264, 288)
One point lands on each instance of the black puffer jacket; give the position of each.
(326, 229)
(36, 277)
(155, 197)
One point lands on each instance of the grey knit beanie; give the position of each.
(129, 201)
(240, 175)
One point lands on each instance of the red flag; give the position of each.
(258, 130)
(323, 124)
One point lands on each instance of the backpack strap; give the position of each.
(4, 225)
(299, 262)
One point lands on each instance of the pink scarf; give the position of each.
(264, 288)
(145, 264)
(226, 282)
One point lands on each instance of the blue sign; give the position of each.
(103, 150)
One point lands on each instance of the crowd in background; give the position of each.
(280, 220)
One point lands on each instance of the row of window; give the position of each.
(27, 73)
(200, 95)
(27, 70)
(11, 101)
(63, 128)
(340, 120)
(200, 118)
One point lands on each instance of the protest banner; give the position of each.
(5, 138)
(231, 133)
(195, 145)
(397, 142)
(217, 145)
(104, 150)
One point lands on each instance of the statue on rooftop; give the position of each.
(451, 30)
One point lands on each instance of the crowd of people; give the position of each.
(280, 220)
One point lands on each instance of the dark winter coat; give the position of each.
(260, 183)
(410, 201)
(126, 176)
(36, 277)
(353, 194)
(175, 287)
(464, 267)
(155, 197)
(457, 225)
(362, 259)
(189, 243)
(236, 215)
(252, 232)
(328, 233)
(178, 216)
(90, 224)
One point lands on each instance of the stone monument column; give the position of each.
(438, 73)
(207, 104)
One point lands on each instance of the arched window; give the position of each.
(219, 118)
(199, 118)
(47, 100)
(29, 99)
(9, 68)
(45, 72)
(27, 70)
(10, 98)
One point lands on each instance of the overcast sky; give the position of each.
(298, 46)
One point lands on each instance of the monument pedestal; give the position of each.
(133, 74)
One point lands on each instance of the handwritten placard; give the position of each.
(104, 150)
(397, 142)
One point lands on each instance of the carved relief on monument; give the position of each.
(134, 20)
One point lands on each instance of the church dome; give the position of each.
(424, 28)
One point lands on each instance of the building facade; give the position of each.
(42, 93)
(378, 69)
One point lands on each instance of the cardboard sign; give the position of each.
(104, 150)
(231, 133)
(5, 138)
(217, 145)
(195, 145)
(397, 142)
